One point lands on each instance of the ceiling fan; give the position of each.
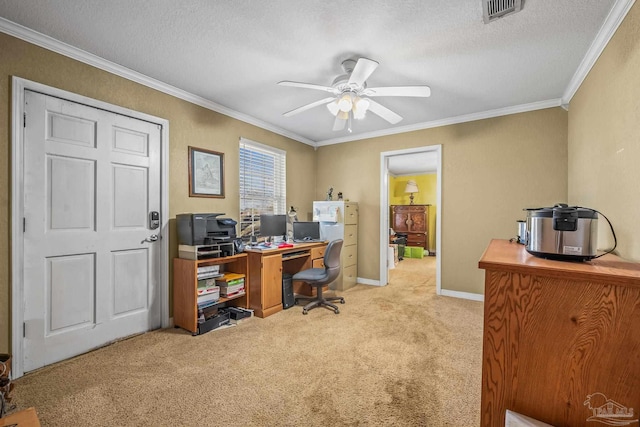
(351, 98)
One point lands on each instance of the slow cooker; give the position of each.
(562, 232)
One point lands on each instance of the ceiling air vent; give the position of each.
(494, 9)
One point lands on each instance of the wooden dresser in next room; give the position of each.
(412, 220)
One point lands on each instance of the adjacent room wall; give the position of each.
(491, 170)
(604, 139)
(189, 125)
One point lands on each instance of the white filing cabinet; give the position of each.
(339, 220)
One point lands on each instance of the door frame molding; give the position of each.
(384, 210)
(18, 86)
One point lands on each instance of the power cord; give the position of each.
(615, 239)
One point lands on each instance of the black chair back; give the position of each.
(332, 259)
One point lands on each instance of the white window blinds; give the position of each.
(263, 184)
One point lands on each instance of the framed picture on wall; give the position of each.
(206, 173)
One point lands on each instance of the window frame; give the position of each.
(255, 198)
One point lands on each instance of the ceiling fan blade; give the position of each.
(339, 123)
(308, 106)
(384, 112)
(309, 86)
(361, 72)
(418, 91)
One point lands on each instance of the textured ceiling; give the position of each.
(232, 53)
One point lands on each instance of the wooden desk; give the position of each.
(266, 267)
(558, 336)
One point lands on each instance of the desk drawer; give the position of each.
(349, 255)
(317, 263)
(350, 235)
(318, 252)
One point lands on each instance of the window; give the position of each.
(262, 184)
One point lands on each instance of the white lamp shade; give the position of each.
(333, 107)
(411, 187)
(345, 103)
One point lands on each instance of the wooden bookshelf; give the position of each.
(185, 287)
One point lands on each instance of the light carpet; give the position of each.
(397, 355)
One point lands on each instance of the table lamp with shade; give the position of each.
(411, 188)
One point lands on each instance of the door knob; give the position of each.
(151, 239)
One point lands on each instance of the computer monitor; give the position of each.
(306, 230)
(273, 225)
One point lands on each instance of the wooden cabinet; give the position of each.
(412, 220)
(265, 284)
(185, 287)
(267, 267)
(560, 339)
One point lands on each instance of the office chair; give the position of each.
(318, 277)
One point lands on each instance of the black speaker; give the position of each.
(287, 291)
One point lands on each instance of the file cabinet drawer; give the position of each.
(351, 213)
(349, 255)
(350, 235)
(349, 276)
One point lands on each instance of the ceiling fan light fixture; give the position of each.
(333, 107)
(345, 103)
(360, 107)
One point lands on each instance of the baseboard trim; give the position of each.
(368, 281)
(462, 295)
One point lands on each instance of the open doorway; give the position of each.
(409, 162)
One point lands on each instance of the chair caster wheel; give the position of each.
(341, 300)
(305, 312)
(337, 311)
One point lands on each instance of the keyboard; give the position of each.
(307, 240)
(294, 254)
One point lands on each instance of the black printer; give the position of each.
(204, 229)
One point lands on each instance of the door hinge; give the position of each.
(24, 120)
(24, 224)
(24, 329)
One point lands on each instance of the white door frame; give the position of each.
(19, 86)
(384, 210)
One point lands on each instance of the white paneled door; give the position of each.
(91, 267)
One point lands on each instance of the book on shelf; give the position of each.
(207, 304)
(204, 290)
(205, 283)
(211, 296)
(234, 294)
(229, 292)
(227, 277)
(209, 275)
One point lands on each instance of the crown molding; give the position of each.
(49, 43)
(608, 29)
(541, 105)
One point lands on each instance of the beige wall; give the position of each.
(189, 125)
(491, 170)
(604, 139)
